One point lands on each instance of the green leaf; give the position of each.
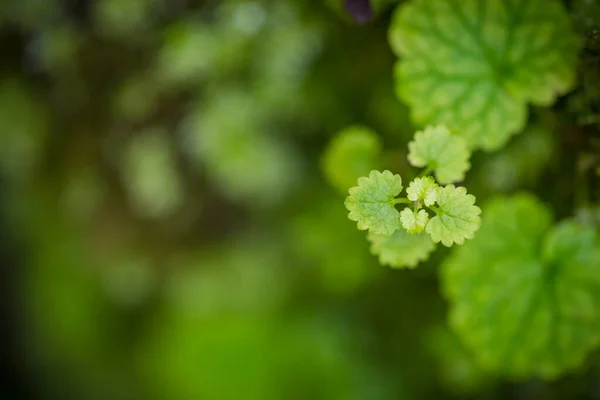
(423, 189)
(401, 249)
(525, 295)
(351, 154)
(414, 221)
(438, 149)
(371, 203)
(457, 217)
(475, 65)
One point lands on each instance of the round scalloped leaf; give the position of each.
(457, 217)
(401, 249)
(371, 203)
(351, 154)
(447, 154)
(525, 296)
(423, 189)
(474, 65)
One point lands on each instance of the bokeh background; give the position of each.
(167, 229)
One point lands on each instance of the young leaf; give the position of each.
(414, 221)
(350, 155)
(446, 154)
(401, 249)
(457, 217)
(371, 203)
(423, 189)
(525, 296)
(474, 65)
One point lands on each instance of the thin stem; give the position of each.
(427, 171)
(434, 209)
(402, 200)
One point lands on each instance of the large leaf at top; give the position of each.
(525, 295)
(474, 65)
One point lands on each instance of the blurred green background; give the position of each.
(168, 232)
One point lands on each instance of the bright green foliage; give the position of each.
(371, 203)
(401, 249)
(438, 149)
(475, 65)
(525, 295)
(424, 189)
(351, 154)
(414, 221)
(457, 217)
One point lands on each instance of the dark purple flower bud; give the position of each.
(360, 10)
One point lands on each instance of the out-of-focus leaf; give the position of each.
(525, 295)
(351, 154)
(401, 249)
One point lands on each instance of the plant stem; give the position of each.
(427, 171)
(402, 200)
(434, 209)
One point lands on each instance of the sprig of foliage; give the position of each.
(454, 215)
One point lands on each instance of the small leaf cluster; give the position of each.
(432, 214)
